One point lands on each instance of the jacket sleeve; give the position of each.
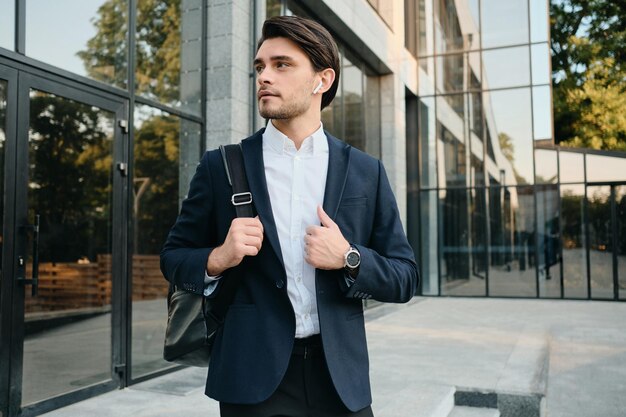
(189, 243)
(388, 271)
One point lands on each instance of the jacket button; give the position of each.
(280, 283)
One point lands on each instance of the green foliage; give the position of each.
(589, 73)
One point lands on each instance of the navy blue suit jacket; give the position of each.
(253, 347)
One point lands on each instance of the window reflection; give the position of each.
(620, 227)
(504, 22)
(426, 128)
(508, 67)
(353, 104)
(166, 152)
(86, 37)
(573, 241)
(540, 63)
(548, 241)
(605, 168)
(3, 107)
(462, 242)
(539, 19)
(542, 114)
(512, 252)
(458, 72)
(169, 51)
(453, 158)
(7, 24)
(429, 243)
(571, 166)
(546, 168)
(600, 241)
(509, 133)
(450, 33)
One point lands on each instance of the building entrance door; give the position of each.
(606, 208)
(68, 174)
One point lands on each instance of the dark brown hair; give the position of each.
(313, 39)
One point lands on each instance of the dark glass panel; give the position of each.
(462, 264)
(546, 168)
(453, 159)
(574, 252)
(429, 256)
(3, 139)
(620, 229)
(504, 22)
(512, 252)
(166, 152)
(372, 116)
(605, 168)
(539, 20)
(168, 65)
(548, 241)
(272, 8)
(505, 68)
(509, 133)
(600, 241)
(571, 166)
(427, 142)
(86, 37)
(353, 104)
(67, 344)
(7, 24)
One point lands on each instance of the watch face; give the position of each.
(353, 259)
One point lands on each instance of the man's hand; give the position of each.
(325, 246)
(244, 238)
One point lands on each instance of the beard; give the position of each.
(294, 108)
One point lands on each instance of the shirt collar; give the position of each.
(278, 142)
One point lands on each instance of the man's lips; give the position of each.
(266, 93)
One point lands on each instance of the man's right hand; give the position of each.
(244, 238)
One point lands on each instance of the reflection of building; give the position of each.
(453, 96)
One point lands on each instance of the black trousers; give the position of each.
(306, 390)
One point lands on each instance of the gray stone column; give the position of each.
(230, 89)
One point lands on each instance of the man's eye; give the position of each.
(282, 65)
(258, 69)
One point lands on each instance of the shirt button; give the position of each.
(280, 283)
(299, 278)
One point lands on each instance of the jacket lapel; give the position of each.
(252, 148)
(338, 164)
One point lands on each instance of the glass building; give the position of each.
(107, 105)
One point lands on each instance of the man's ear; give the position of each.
(327, 77)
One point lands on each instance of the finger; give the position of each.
(325, 218)
(253, 241)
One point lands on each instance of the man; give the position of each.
(327, 235)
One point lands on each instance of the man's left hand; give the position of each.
(325, 246)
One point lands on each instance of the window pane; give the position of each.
(512, 250)
(542, 114)
(574, 254)
(429, 243)
(605, 168)
(462, 265)
(548, 241)
(3, 138)
(620, 229)
(571, 167)
(507, 67)
(546, 167)
(459, 72)
(70, 175)
(509, 132)
(166, 152)
(600, 241)
(7, 24)
(504, 22)
(539, 19)
(86, 37)
(452, 156)
(372, 115)
(169, 52)
(427, 142)
(452, 34)
(353, 104)
(540, 63)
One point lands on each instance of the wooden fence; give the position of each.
(76, 286)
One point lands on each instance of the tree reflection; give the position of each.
(589, 73)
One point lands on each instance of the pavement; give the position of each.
(450, 357)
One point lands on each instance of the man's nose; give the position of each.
(264, 77)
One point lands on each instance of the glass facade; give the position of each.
(7, 24)
(502, 211)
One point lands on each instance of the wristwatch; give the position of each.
(352, 260)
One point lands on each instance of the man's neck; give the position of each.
(296, 129)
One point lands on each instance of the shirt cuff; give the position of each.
(210, 283)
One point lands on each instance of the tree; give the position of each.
(589, 72)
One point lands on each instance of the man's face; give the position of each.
(285, 78)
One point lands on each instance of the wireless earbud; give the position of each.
(318, 87)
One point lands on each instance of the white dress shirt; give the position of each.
(296, 180)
